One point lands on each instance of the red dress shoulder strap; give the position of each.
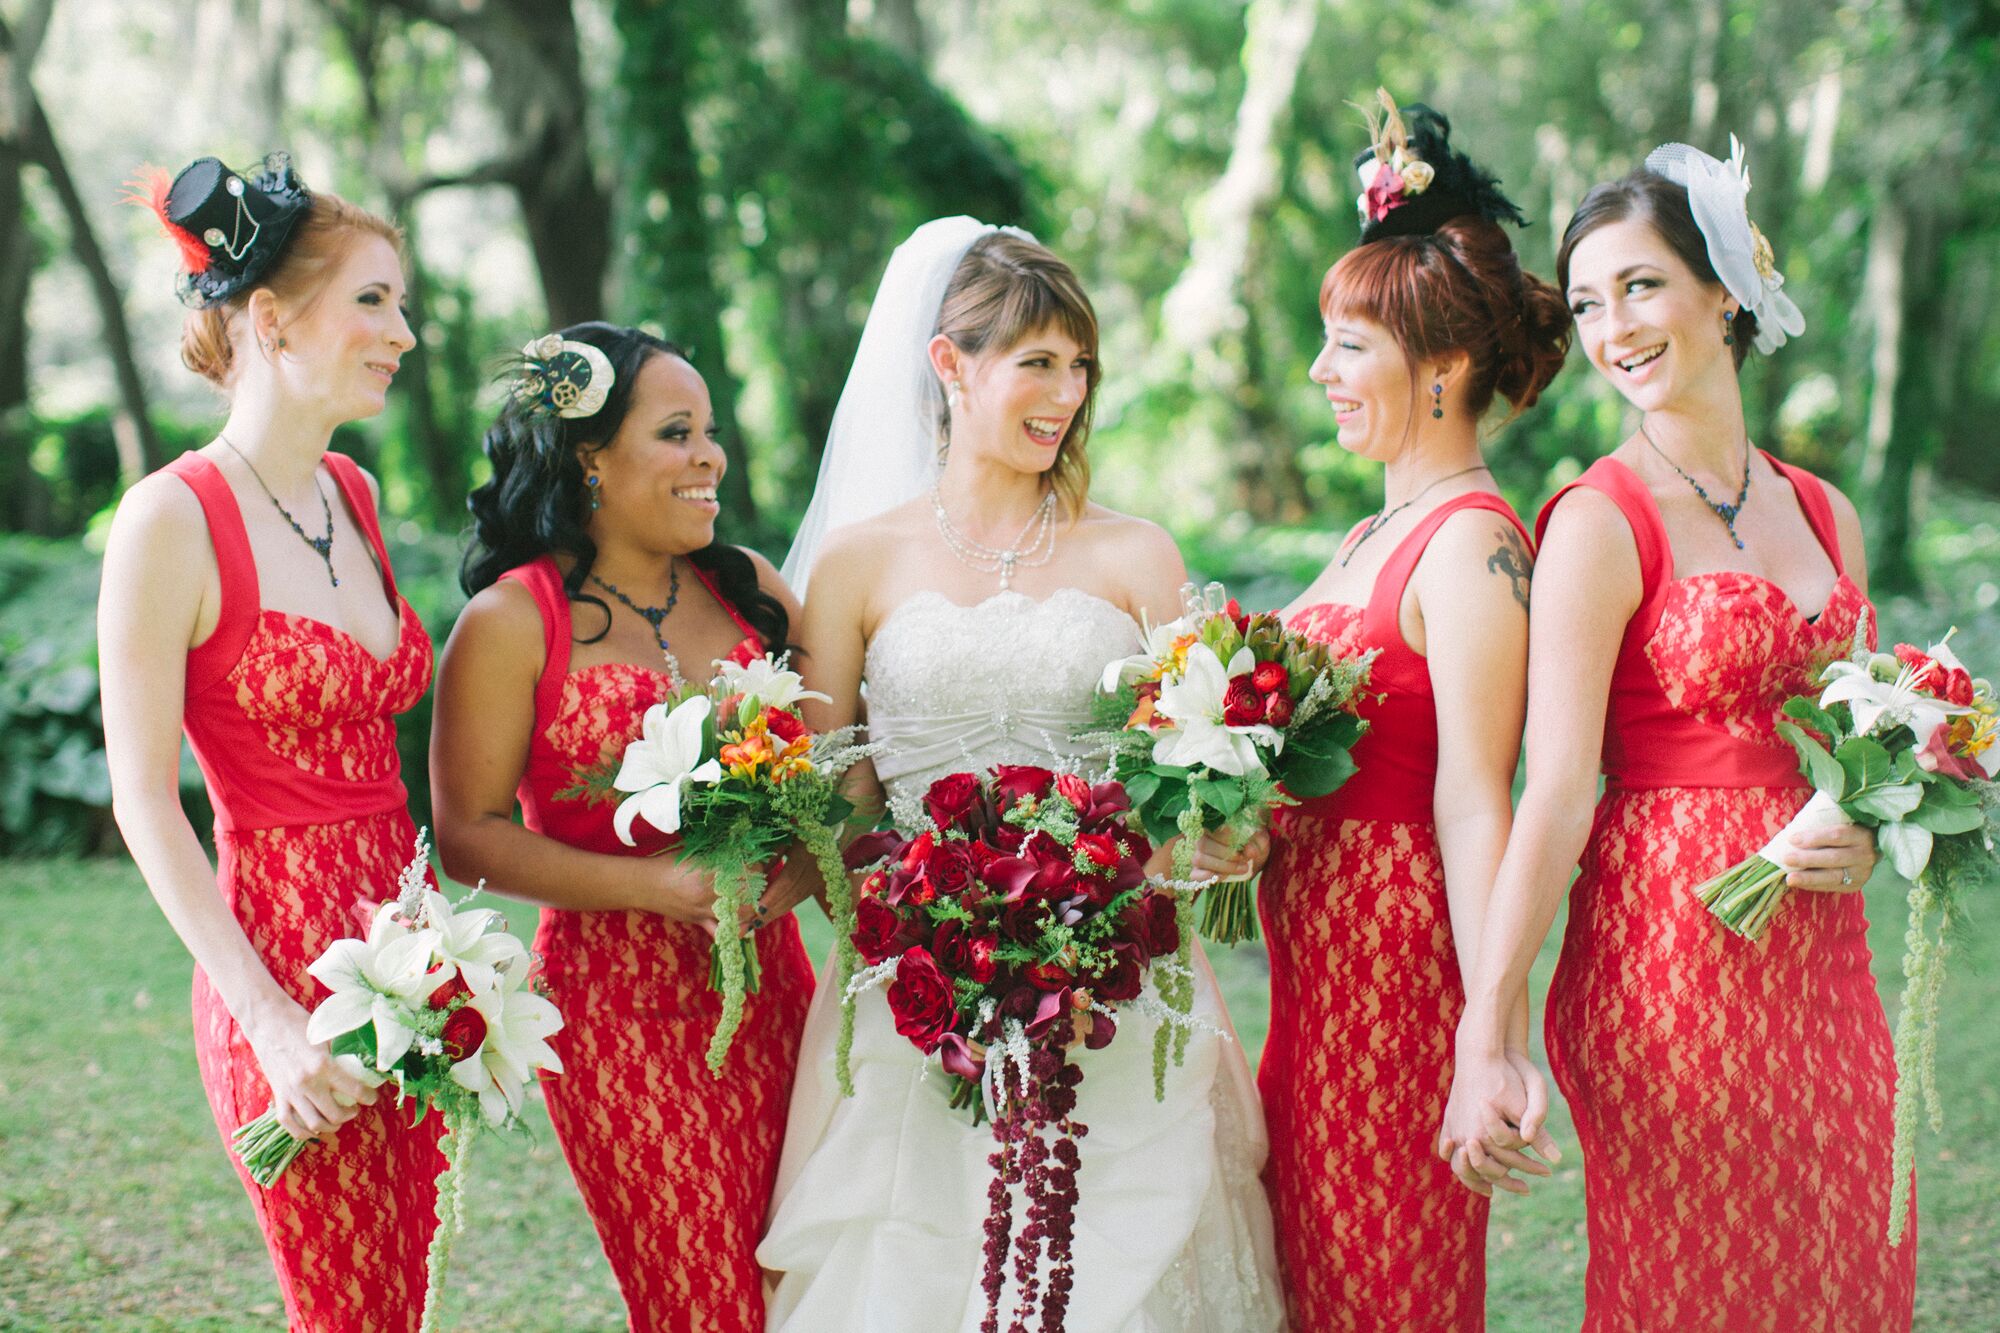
(1656, 555)
(750, 634)
(1383, 616)
(543, 579)
(361, 503)
(1818, 509)
(211, 659)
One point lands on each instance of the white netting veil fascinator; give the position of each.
(883, 448)
(1718, 195)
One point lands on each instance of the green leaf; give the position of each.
(1945, 820)
(1308, 776)
(1908, 846)
(1822, 769)
(1866, 762)
(1891, 803)
(1805, 710)
(1142, 786)
(1222, 796)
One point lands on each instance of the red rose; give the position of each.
(963, 953)
(875, 929)
(1150, 924)
(1242, 706)
(1278, 710)
(1013, 781)
(1270, 676)
(448, 991)
(918, 852)
(1124, 978)
(785, 726)
(951, 798)
(949, 868)
(464, 1033)
(1100, 849)
(921, 999)
(1074, 790)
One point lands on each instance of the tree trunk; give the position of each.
(673, 275)
(899, 24)
(1909, 425)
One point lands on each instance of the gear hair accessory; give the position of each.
(1718, 194)
(564, 376)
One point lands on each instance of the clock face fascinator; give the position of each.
(564, 376)
(228, 225)
(1718, 196)
(1413, 181)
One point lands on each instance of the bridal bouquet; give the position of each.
(733, 770)
(1008, 930)
(437, 1000)
(1220, 718)
(1907, 744)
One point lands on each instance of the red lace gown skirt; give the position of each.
(349, 1224)
(676, 1166)
(1373, 1231)
(1732, 1099)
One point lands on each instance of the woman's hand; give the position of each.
(311, 1094)
(1495, 1113)
(1834, 858)
(1217, 857)
(796, 878)
(676, 890)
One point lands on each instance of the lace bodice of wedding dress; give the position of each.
(876, 1221)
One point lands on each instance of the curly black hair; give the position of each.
(535, 502)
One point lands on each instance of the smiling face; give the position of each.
(1016, 405)
(657, 477)
(343, 348)
(1646, 322)
(1368, 382)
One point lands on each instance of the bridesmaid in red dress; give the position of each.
(1374, 894)
(1732, 1097)
(248, 598)
(596, 577)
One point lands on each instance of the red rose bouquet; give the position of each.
(733, 770)
(1010, 929)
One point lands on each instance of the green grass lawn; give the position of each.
(118, 1211)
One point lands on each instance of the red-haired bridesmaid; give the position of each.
(1374, 895)
(596, 578)
(248, 599)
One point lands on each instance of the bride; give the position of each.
(958, 567)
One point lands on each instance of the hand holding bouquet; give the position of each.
(1906, 744)
(734, 771)
(437, 1000)
(1010, 929)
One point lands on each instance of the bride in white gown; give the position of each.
(980, 602)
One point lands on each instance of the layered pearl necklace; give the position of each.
(1025, 553)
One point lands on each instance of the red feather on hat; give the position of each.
(148, 190)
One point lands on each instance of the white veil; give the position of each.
(883, 448)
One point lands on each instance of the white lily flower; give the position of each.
(1878, 705)
(665, 758)
(475, 942)
(766, 682)
(1194, 704)
(1155, 642)
(518, 1026)
(374, 980)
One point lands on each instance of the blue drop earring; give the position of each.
(1437, 401)
(1729, 328)
(596, 496)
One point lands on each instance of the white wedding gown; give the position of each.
(876, 1225)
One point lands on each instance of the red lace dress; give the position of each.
(293, 723)
(675, 1165)
(1373, 1231)
(1732, 1099)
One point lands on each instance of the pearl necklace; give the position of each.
(1023, 554)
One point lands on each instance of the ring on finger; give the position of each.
(1846, 876)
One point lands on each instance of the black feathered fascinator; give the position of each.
(1413, 181)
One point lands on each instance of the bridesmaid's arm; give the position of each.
(1587, 587)
(485, 713)
(149, 613)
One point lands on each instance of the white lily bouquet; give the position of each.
(733, 771)
(1907, 744)
(439, 1001)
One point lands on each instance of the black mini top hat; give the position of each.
(1413, 181)
(229, 225)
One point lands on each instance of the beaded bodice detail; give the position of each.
(955, 688)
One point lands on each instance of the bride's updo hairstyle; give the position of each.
(1004, 290)
(534, 505)
(1435, 269)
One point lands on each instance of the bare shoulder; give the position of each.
(501, 622)
(1847, 527)
(857, 554)
(159, 515)
(1588, 521)
(1473, 536)
(1126, 535)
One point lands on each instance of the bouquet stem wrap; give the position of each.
(1745, 897)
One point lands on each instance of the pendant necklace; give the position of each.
(1727, 513)
(1381, 520)
(321, 546)
(1025, 553)
(654, 615)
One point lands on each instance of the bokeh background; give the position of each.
(734, 174)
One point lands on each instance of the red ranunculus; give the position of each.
(918, 852)
(1151, 925)
(1954, 686)
(785, 726)
(921, 999)
(1242, 706)
(963, 953)
(1270, 676)
(1013, 781)
(1100, 849)
(1074, 790)
(951, 798)
(1124, 978)
(1237, 617)
(1049, 976)
(464, 1033)
(950, 868)
(875, 929)
(1278, 709)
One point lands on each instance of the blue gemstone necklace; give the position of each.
(1727, 513)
